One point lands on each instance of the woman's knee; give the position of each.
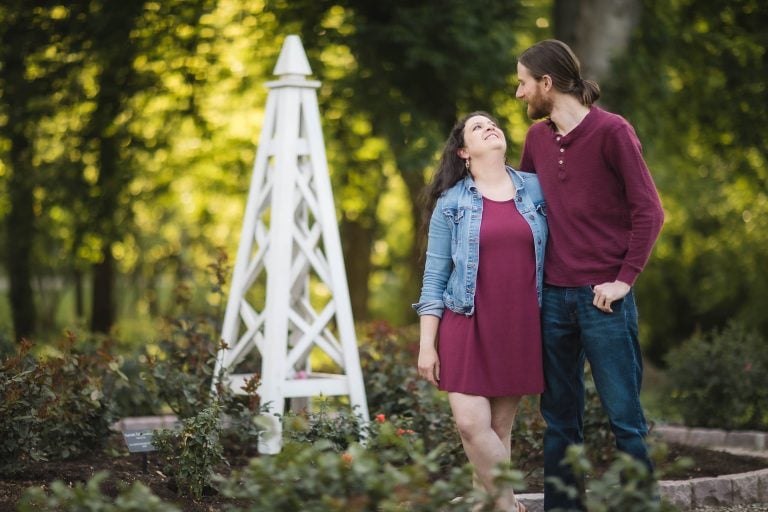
(469, 425)
(472, 414)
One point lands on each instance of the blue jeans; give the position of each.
(572, 330)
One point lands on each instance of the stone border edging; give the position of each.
(713, 438)
(737, 489)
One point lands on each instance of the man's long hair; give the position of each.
(556, 59)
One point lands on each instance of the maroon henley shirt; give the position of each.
(603, 210)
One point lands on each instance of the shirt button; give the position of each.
(558, 139)
(562, 150)
(560, 162)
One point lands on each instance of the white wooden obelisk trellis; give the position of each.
(290, 247)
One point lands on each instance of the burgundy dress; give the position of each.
(497, 351)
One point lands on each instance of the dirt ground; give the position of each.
(127, 468)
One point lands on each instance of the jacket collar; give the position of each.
(517, 178)
(514, 175)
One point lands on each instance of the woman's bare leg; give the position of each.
(485, 427)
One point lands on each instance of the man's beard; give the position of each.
(539, 108)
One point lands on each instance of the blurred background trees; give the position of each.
(127, 135)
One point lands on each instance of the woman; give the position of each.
(480, 336)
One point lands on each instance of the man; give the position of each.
(604, 216)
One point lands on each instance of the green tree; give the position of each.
(92, 68)
(415, 67)
(39, 45)
(692, 84)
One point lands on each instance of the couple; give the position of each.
(518, 292)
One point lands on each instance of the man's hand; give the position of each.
(606, 293)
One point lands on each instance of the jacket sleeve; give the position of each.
(438, 265)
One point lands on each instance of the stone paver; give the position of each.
(677, 492)
(749, 487)
(534, 502)
(672, 434)
(748, 440)
(707, 437)
(712, 491)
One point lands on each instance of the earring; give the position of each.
(466, 163)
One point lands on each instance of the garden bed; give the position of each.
(127, 468)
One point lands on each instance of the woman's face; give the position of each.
(481, 136)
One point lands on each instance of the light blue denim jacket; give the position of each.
(453, 246)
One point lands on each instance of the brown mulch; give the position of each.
(127, 468)
(706, 463)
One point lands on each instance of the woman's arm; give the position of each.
(438, 265)
(429, 362)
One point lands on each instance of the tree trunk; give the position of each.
(596, 30)
(20, 222)
(357, 240)
(20, 225)
(103, 309)
(79, 296)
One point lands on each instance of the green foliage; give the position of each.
(395, 390)
(720, 379)
(339, 428)
(627, 485)
(527, 433)
(242, 426)
(181, 366)
(191, 453)
(389, 438)
(77, 79)
(181, 372)
(36, 80)
(22, 396)
(392, 473)
(699, 118)
(88, 497)
(598, 436)
(404, 71)
(127, 138)
(54, 407)
(135, 396)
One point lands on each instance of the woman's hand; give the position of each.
(429, 364)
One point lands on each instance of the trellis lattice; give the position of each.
(289, 297)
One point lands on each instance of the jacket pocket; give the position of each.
(454, 214)
(455, 218)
